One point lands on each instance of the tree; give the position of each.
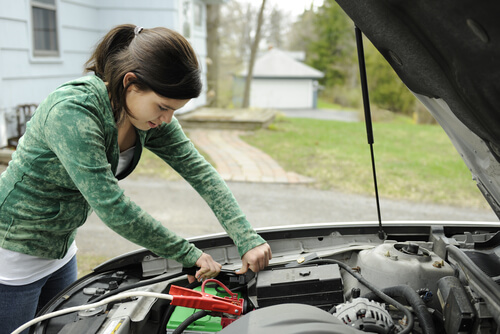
(301, 33)
(253, 56)
(333, 49)
(237, 30)
(387, 91)
(213, 43)
(236, 25)
(276, 28)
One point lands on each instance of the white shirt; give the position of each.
(125, 160)
(21, 269)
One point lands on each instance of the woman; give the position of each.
(82, 139)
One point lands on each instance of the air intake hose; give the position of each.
(412, 297)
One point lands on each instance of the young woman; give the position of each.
(82, 139)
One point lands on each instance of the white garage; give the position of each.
(281, 82)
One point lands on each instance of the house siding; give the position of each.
(282, 93)
(279, 81)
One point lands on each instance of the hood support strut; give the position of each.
(368, 120)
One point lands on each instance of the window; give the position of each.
(44, 27)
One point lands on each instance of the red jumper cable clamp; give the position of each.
(204, 301)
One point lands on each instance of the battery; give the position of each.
(319, 286)
(205, 325)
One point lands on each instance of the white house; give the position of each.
(45, 43)
(279, 81)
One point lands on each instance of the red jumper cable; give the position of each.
(205, 301)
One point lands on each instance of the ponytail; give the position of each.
(162, 60)
(116, 40)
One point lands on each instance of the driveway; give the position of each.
(268, 195)
(180, 209)
(328, 114)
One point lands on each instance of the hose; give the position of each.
(418, 305)
(108, 300)
(370, 286)
(189, 320)
(138, 285)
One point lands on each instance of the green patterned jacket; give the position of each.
(64, 167)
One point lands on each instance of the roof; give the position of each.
(278, 64)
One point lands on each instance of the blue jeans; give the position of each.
(19, 304)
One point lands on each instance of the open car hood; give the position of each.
(446, 52)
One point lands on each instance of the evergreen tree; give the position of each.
(332, 48)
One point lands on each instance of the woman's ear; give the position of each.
(128, 78)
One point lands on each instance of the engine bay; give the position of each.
(321, 280)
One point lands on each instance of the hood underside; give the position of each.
(446, 52)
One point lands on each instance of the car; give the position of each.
(390, 277)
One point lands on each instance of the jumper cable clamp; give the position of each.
(205, 301)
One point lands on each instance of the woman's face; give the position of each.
(149, 109)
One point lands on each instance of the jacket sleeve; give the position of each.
(171, 144)
(76, 135)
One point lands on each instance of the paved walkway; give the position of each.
(235, 160)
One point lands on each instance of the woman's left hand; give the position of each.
(208, 268)
(256, 259)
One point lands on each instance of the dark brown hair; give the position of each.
(162, 60)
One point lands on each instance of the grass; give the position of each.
(87, 262)
(322, 104)
(413, 162)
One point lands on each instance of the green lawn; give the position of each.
(413, 162)
(322, 104)
(87, 262)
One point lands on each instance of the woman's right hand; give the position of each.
(256, 259)
(208, 268)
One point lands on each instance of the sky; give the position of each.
(295, 7)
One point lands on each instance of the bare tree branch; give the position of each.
(253, 54)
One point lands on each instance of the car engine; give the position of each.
(322, 279)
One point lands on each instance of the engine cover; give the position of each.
(289, 319)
